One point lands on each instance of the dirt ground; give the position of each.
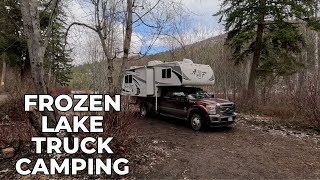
(3, 98)
(245, 151)
(169, 149)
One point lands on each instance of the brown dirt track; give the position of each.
(245, 151)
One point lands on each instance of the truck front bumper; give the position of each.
(219, 120)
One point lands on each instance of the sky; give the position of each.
(198, 23)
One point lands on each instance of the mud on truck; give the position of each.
(173, 89)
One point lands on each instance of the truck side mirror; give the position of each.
(212, 95)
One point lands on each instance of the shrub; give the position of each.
(58, 90)
(119, 125)
(291, 107)
(14, 123)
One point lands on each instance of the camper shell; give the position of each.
(146, 81)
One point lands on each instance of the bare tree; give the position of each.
(126, 43)
(107, 17)
(37, 42)
(104, 20)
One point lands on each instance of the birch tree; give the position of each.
(37, 42)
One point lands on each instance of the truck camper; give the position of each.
(172, 89)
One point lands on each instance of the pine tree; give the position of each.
(269, 31)
(11, 40)
(13, 43)
(58, 61)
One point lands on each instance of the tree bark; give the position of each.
(102, 29)
(126, 44)
(4, 65)
(316, 42)
(257, 52)
(36, 48)
(302, 73)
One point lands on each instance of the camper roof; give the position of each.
(161, 63)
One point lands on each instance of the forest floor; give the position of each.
(3, 98)
(252, 149)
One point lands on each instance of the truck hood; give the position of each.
(209, 101)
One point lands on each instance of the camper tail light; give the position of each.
(212, 109)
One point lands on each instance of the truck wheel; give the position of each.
(143, 110)
(197, 122)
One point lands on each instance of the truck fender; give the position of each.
(198, 108)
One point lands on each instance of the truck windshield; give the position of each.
(199, 94)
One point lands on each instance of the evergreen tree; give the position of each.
(58, 61)
(11, 39)
(269, 31)
(13, 43)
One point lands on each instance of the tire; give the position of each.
(197, 122)
(144, 110)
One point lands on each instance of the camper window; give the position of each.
(128, 79)
(166, 73)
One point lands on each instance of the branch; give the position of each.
(79, 24)
(140, 17)
(175, 38)
(151, 44)
(53, 6)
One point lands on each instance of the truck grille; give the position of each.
(227, 109)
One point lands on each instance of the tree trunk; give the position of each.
(301, 75)
(255, 61)
(36, 49)
(126, 45)
(316, 51)
(4, 65)
(316, 42)
(109, 61)
(256, 53)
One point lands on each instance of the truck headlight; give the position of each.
(212, 109)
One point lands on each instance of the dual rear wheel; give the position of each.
(143, 110)
(146, 110)
(196, 121)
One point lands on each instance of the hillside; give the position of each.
(211, 51)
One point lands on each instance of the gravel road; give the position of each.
(245, 151)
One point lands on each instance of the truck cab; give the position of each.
(193, 105)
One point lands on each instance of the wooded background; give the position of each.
(266, 60)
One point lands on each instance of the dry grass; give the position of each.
(289, 107)
(59, 90)
(119, 125)
(15, 128)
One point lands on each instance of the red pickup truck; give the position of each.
(191, 104)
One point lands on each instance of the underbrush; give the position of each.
(59, 90)
(287, 108)
(15, 128)
(118, 125)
